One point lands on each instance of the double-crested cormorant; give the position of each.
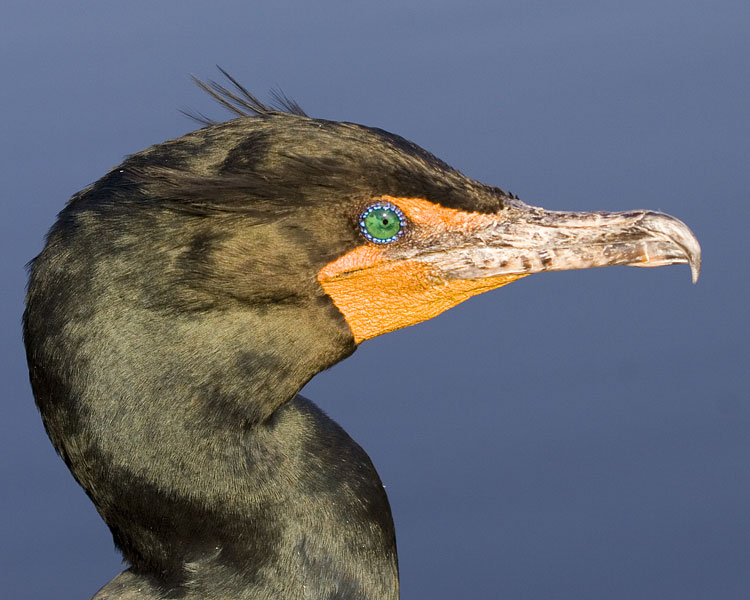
(183, 300)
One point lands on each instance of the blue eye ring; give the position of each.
(386, 210)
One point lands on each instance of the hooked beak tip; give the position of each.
(695, 269)
(679, 234)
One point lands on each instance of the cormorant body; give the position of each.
(183, 300)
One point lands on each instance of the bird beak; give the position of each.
(449, 255)
(530, 240)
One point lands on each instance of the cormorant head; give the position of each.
(277, 207)
(392, 235)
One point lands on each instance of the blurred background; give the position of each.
(573, 435)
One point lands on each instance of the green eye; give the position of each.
(382, 223)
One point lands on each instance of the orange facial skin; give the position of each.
(378, 291)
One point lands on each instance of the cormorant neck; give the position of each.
(185, 431)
